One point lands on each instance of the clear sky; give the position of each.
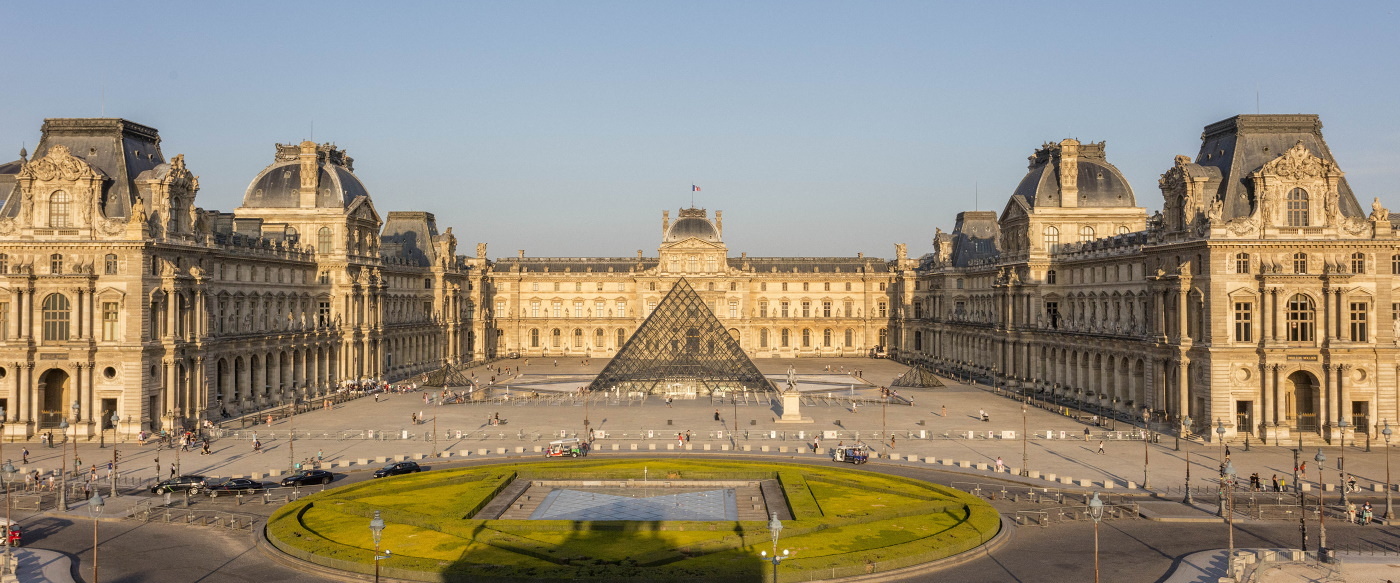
(820, 128)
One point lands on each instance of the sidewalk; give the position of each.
(1209, 567)
(41, 566)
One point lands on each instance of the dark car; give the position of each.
(308, 477)
(397, 468)
(192, 484)
(230, 487)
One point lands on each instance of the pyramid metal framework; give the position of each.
(681, 342)
(447, 376)
(917, 376)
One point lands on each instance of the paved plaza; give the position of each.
(927, 440)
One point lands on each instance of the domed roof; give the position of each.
(688, 227)
(1099, 183)
(279, 185)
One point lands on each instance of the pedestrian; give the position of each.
(1001, 466)
(668, 402)
(1283, 483)
(943, 411)
(1275, 482)
(1100, 447)
(257, 446)
(204, 449)
(25, 455)
(982, 414)
(716, 416)
(687, 436)
(1351, 512)
(172, 470)
(891, 441)
(679, 439)
(1366, 514)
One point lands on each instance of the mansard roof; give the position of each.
(120, 149)
(1240, 145)
(409, 235)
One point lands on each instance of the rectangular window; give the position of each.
(600, 286)
(323, 313)
(534, 309)
(621, 308)
(427, 309)
(804, 286)
(882, 309)
(578, 286)
(651, 307)
(4, 320)
(1360, 315)
(1244, 322)
(784, 286)
(783, 338)
(782, 309)
(763, 309)
(763, 285)
(806, 309)
(882, 286)
(733, 308)
(849, 310)
(733, 286)
(556, 309)
(598, 308)
(1052, 313)
(109, 321)
(500, 309)
(848, 286)
(826, 286)
(1395, 311)
(578, 309)
(826, 309)
(534, 286)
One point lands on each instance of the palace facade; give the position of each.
(123, 305)
(1262, 297)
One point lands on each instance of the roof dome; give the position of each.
(279, 185)
(688, 227)
(1099, 183)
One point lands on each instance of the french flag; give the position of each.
(694, 188)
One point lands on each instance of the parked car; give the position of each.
(308, 477)
(230, 487)
(191, 483)
(397, 468)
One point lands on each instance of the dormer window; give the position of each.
(1297, 208)
(58, 210)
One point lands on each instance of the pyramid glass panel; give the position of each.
(681, 343)
(917, 376)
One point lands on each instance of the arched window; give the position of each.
(1297, 208)
(1123, 230)
(1301, 318)
(534, 338)
(1086, 233)
(826, 337)
(558, 337)
(1052, 238)
(578, 337)
(1241, 263)
(621, 337)
(763, 338)
(56, 263)
(110, 265)
(323, 240)
(1358, 262)
(58, 210)
(56, 317)
(1300, 262)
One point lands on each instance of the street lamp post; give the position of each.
(9, 474)
(1302, 511)
(1341, 461)
(1096, 513)
(775, 527)
(63, 469)
(1146, 438)
(376, 529)
(1188, 499)
(1220, 431)
(95, 508)
(1229, 489)
(1025, 464)
(1389, 512)
(1321, 510)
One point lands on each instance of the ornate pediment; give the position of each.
(60, 164)
(1298, 163)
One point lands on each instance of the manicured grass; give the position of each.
(847, 522)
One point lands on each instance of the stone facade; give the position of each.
(119, 296)
(775, 306)
(1262, 298)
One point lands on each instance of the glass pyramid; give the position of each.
(917, 376)
(681, 347)
(447, 377)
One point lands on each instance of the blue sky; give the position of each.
(820, 128)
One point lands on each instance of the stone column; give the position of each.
(1326, 422)
(1183, 387)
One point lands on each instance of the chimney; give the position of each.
(520, 254)
(310, 174)
(639, 254)
(1069, 173)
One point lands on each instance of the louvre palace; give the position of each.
(1259, 296)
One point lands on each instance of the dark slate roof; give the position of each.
(686, 228)
(809, 264)
(1100, 183)
(575, 264)
(119, 148)
(1242, 144)
(8, 171)
(975, 237)
(409, 236)
(279, 185)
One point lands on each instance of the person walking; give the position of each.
(716, 414)
(943, 411)
(1275, 482)
(25, 454)
(257, 445)
(1086, 435)
(1001, 466)
(1100, 447)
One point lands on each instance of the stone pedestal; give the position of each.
(792, 403)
